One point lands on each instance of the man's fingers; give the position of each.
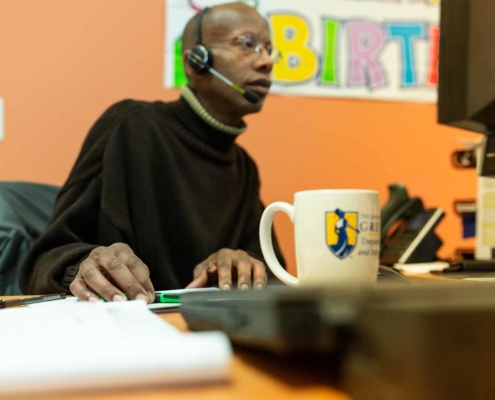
(199, 282)
(123, 276)
(200, 275)
(243, 265)
(94, 279)
(231, 265)
(224, 266)
(79, 289)
(260, 276)
(138, 269)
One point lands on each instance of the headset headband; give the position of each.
(199, 24)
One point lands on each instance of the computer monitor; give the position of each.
(466, 92)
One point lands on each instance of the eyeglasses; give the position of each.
(251, 44)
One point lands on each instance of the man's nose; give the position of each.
(264, 62)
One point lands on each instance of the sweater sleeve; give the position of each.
(53, 261)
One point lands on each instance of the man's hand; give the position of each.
(225, 266)
(111, 272)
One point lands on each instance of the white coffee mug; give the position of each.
(337, 237)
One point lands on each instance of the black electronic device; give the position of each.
(389, 342)
(407, 230)
(466, 91)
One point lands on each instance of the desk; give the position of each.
(252, 377)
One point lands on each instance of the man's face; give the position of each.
(233, 47)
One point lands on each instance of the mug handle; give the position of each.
(266, 241)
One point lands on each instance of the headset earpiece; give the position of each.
(200, 59)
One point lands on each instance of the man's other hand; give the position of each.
(110, 272)
(226, 266)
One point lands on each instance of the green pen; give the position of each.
(159, 298)
(167, 298)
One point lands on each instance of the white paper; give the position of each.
(74, 300)
(93, 345)
(155, 307)
(163, 306)
(422, 268)
(183, 291)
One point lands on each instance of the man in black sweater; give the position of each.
(160, 195)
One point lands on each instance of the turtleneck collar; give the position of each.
(201, 135)
(188, 94)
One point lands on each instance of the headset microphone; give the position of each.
(249, 95)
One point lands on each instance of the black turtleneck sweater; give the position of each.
(154, 176)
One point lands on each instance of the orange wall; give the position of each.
(62, 62)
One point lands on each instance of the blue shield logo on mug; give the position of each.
(341, 232)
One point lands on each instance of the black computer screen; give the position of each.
(466, 95)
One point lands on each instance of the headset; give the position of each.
(199, 58)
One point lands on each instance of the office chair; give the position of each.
(25, 210)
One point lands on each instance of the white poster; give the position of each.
(373, 49)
